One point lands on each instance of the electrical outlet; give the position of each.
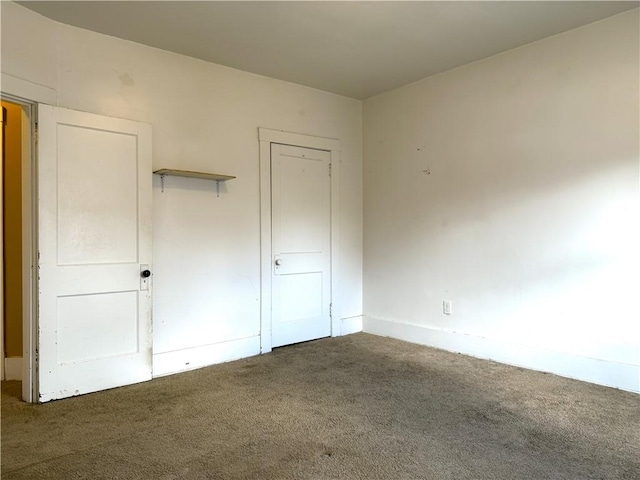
(446, 307)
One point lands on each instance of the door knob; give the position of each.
(145, 273)
(278, 262)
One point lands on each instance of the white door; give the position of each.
(94, 241)
(301, 244)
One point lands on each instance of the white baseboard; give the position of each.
(198, 357)
(13, 368)
(602, 372)
(350, 325)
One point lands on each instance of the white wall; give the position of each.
(510, 187)
(204, 117)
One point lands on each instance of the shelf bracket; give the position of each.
(218, 188)
(162, 182)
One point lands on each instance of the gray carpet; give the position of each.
(356, 407)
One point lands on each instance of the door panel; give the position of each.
(301, 234)
(94, 238)
(301, 296)
(97, 196)
(97, 326)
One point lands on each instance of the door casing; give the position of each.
(266, 137)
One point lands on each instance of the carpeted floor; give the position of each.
(355, 407)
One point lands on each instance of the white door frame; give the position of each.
(266, 137)
(28, 95)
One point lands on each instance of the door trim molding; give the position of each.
(25, 89)
(298, 140)
(266, 137)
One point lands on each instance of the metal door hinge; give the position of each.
(331, 310)
(329, 169)
(35, 133)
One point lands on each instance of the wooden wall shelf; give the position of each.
(163, 172)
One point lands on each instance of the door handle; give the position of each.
(278, 262)
(145, 277)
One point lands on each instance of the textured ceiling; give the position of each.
(356, 49)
